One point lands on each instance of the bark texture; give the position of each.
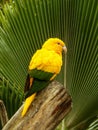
(3, 114)
(50, 106)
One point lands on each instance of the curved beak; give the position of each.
(65, 49)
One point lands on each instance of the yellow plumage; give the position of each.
(47, 59)
(42, 61)
(28, 103)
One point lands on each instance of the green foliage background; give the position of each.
(25, 25)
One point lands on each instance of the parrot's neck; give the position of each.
(49, 49)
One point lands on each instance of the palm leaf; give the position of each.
(94, 125)
(26, 24)
(11, 97)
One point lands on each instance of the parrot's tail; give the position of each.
(27, 103)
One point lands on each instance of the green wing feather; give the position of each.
(41, 80)
(39, 74)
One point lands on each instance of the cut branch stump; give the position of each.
(51, 105)
(3, 114)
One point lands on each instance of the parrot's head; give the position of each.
(55, 44)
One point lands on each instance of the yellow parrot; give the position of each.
(44, 66)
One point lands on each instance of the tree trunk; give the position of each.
(51, 105)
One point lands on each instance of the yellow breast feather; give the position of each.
(45, 60)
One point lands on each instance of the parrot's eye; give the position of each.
(58, 43)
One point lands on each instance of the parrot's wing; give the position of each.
(40, 74)
(37, 86)
(28, 83)
(40, 80)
